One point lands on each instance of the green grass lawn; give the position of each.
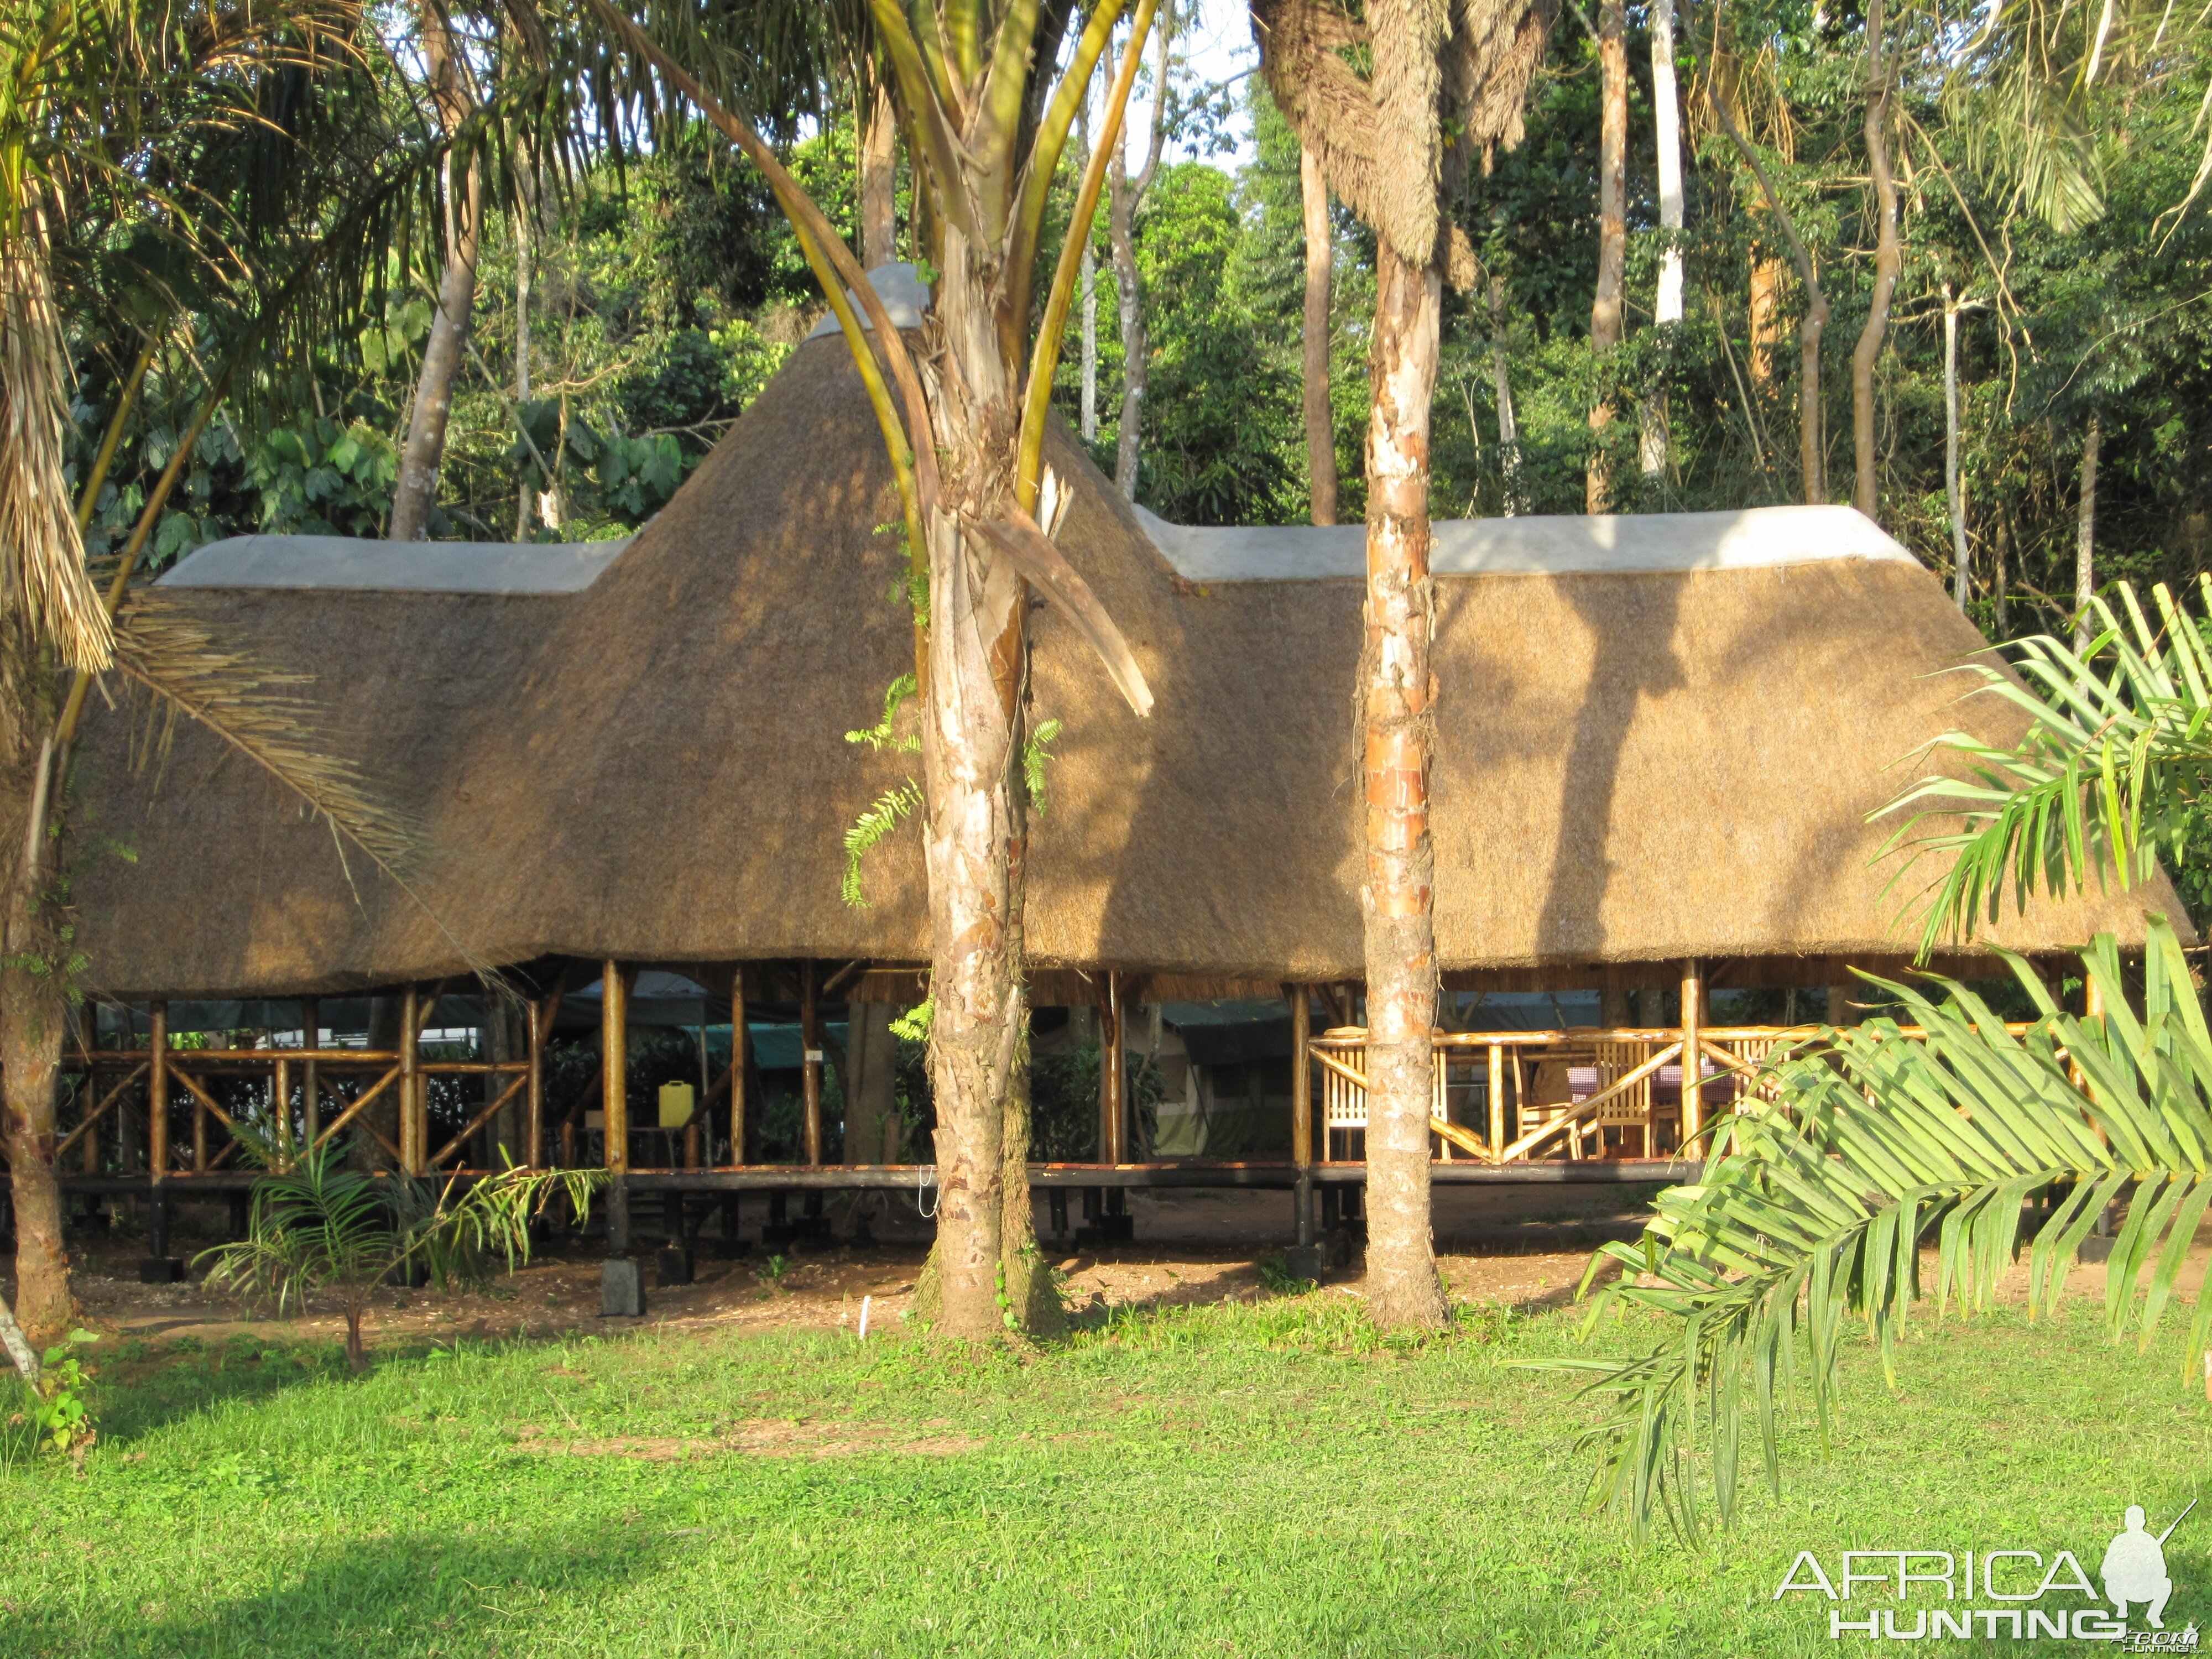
(1232, 1481)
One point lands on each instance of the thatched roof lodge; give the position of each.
(1659, 738)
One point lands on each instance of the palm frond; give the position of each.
(2117, 753)
(42, 572)
(1813, 1211)
(260, 712)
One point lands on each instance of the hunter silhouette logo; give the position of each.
(2135, 1567)
(2014, 1594)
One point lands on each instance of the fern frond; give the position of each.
(1035, 754)
(880, 737)
(869, 830)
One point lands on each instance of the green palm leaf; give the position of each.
(1815, 1206)
(2103, 786)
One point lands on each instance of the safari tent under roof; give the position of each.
(1657, 738)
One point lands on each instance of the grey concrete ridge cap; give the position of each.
(341, 563)
(899, 286)
(1537, 545)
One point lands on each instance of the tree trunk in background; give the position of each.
(1321, 423)
(2001, 576)
(424, 450)
(879, 184)
(382, 1114)
(1612, 231)
(1397, 899)
(1888, 261)
(1667, 307)
(520, 219)
(32, 1019)
(1765, 319)
(2084, 533)
(1090, 278)
(1509, 427)
(1123, 196)
(1953, 498)
(873, 1128)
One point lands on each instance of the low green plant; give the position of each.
(321, 1227)
(1278, 1280)
(59, 1410)
(772, 1272)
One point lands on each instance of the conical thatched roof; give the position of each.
(1632, 766)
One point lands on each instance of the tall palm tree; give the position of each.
(1442, 79)
(1814, 1201)
(985, 122)
(108, 104)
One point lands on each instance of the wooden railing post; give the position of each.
(810, 1038)
(1301, 1115)
(1497, 1099)
(1693, 1067)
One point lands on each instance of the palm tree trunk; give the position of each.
(1398, 897)
(2084, 533)
(1667, 307)
(1612, 231)
(1888, 261)
(424, 452)
(879, 183)
(33, 1016)
(976, 823)
(1321, 424)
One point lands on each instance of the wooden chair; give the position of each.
(1632, 1110)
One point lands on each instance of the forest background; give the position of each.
(663, 289)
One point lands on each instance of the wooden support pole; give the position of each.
(739, 1038)
(157, 1128)
(311, 1020)
(157, 1095)
(1112, 1111)
(810, 1037)
(279, 1111)
(542, 1013)
(199, 1124)
(614, 1065)
(1302, 1113)
(411, 1084)
(1694, 1060)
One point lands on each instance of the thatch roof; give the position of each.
(1632, 767)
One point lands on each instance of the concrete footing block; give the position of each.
(671, 1265)
(161, 1270)
(622, 1288)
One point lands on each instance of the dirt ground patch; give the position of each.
(1523, 1248)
